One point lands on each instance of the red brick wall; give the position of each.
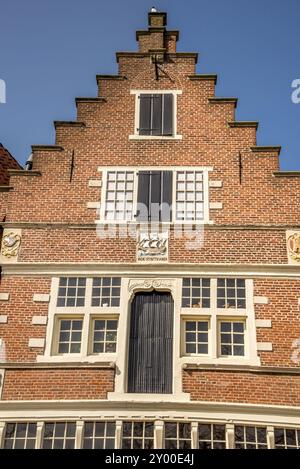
(6, 162)
(244, 387)
(50, 384)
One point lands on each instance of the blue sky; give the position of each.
(51, 50)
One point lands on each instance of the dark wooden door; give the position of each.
(150, 362)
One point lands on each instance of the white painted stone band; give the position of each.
(4, 296)
(264, 346)
(36, 343)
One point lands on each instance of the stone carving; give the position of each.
(152, 247)
(293, 246)
(10, 245)
(150, 284)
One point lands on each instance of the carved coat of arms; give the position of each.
(10, 244)
(293, 246)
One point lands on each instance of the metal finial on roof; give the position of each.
(153, 10)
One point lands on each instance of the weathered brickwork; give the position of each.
(50, 206)
(57, 384)
(249, 388)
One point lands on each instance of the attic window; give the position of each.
(155, 114)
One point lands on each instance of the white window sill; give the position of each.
(202, 360)
(76, 358)
(155, 137)
(159, 223)
(135, 397)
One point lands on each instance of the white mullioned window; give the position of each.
(287, 438)
(84, 331)
(189, 196)
(119, 196)
(99, 435)
(144, 193)
(232, 338)
(218, 321)
(59, 435)
(104, 335)
(20, 435)
(138, 435)
(177, 435)
(211, 436)
(69, 335)
(196, 336)
(249, 437)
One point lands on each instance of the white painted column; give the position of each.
(2, 428)
(39, 435)
(79, 434)
(118, 436)
(270, 438)
(230, 440)
(158, 434)
(194, 435)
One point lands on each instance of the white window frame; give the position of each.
(135, 135)
(188, 318)
(96, 317)
(214, 315)
(135, 169)
(87, 313)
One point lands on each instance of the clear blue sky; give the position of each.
(51, 50)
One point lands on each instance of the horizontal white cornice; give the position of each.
(152, 270)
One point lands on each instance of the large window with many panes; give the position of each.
(85, 317)
(142, 434)
(155, 195)
(216, 316)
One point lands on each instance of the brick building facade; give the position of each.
(150, 283)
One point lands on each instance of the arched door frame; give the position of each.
(130, 287)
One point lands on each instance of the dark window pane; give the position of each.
(126, 429)
(48, 430)
(99, 429)
(126, 444)
(110, 428)
(70, 302)
(225, 326)
(279, 436)
(261, 435)
(238, 327)
(186, 282)
(290, 437)
(250, 434)
(31, 432)
(184, 430)
(88, 429)
(69, 444)
(170, 430)
(47, 444)
(170, 444)
(80, 302)
(21, 430)
(71, 429)
(239, 433)
(87, 443)
(204, 432)
(20, 444)
(191, 326)
(30, 444)
(202, 348)
(219, 432)
(58, 444)
(62, 281)
(59, 429)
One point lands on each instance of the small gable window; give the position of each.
(156, 114)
